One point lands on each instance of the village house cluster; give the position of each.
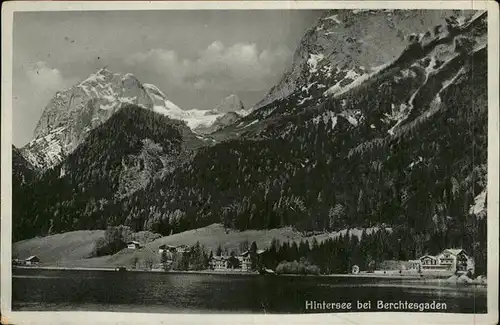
(453, 260)
(217, 263)
(30, 261)
(449, 261)
(222, 263)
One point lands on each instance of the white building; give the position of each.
(245, 261)
(167, 248)
(133, 244)
(456, 259)
(449, 260)
(219, 263)
(32, 260)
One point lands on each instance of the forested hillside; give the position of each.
(118, 158)
(403, 147)
(348, 163)
(23, 175)
(22, 170)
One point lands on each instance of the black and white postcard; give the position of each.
(250, 162)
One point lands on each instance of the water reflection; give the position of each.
(165, 292)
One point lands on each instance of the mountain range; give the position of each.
(380, 121)
(73, 113)
(347, 45)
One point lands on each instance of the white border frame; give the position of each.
(10, 317)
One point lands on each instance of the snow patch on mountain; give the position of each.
(357, 11)
(326, 117)
(398, 114)
(335, 18)
(46, 150)
(228, 112)
(415, 163)
(251, 123)
(355, 80)
(354, 117)
(162, 104)
(313, 61)
(303, 100)
(479, 206)
(195, 118)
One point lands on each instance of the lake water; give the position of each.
(59, 290)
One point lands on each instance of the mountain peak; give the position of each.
(346, 45)
(104, 71)
(72, 113)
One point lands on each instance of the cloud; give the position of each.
(160, 61)
(242, 66)
(44, 79)
(200, 84)
(33, 88)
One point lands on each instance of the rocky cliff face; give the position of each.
(89, 103)
(346, 45)
(73, 113)
(230, 104)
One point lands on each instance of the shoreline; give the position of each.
(231, 272)
(65, 268)
(429, 279)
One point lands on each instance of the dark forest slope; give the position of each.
(118, 158)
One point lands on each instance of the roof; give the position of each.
(433, 257)
(31, 257)
(166, 245)
(454, 251)
(133, 242)
(260, 251)
(220, 258)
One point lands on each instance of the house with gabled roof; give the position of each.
(429, 261)
(32, 260)
(456, 259)
(219, 263)
(245, 261)
(168, 248)
(133, 244)
(449, 260)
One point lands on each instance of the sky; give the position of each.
(195, 57)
